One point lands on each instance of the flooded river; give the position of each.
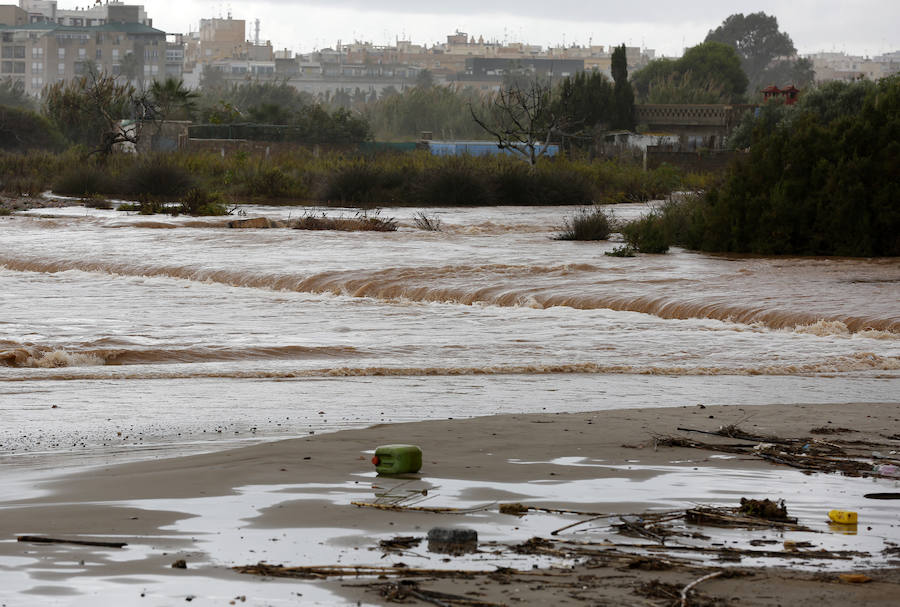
(129, 336)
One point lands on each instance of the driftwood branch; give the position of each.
(401, 508)
(39, 539)
(692, 585)
(326, 571)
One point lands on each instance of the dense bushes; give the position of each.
(22, 130)
(821, 181)
(372, 180)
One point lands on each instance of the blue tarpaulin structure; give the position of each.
(481, 148)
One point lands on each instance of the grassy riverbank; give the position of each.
(416, 179)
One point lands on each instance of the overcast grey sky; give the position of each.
(862, 27)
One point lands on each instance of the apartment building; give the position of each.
(41, 53)
(99, 13)
(840, 66)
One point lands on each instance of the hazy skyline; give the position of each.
(867, 27)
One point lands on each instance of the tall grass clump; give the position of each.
(559, 182)
(586, 224)
(84, 181)
(270, 182)
(362, 221)
(156, 176)
(428, 223)
(457, 181)
(359, 182)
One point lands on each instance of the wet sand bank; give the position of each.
(290, 502)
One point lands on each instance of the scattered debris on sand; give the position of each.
(839, 456)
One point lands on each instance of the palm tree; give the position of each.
(170, 100)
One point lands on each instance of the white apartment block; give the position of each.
(840, 66)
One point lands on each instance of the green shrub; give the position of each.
(156, 176)
(458, 181)
(556, 183)
(25, 130)
(647, 234)
(270, 182)
(621, 251)
(201, 202)
(817, 182)
(359, 182)
(586, 224)
(513, 183)
(85, 180)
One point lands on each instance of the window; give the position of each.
(7, 37)
(62, 53)
(7, 52)
(61, 68)
(99, 54)
(82, 53)
(6, 67)
(19, 52)
(37, 51)
(37, 67)
(37, 82)
(18, 67)
(115, 54)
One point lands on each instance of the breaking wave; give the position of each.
(859, 362)
(43, 357)
(579, 286)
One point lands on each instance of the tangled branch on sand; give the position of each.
(398, 570)
(850, 458)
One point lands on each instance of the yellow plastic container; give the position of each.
(843, 517)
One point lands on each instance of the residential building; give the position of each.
(40, 53)
(46, 11)
(840, 66)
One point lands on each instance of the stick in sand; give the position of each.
(576, 523)
(38, 539)
(689, 587)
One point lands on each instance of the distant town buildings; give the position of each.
(42, 44)
(840, 66)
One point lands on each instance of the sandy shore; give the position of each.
(290, 502)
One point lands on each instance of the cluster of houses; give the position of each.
(42, 44)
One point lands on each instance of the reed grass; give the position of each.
(586, 224)
(340, 178)
(361, 222)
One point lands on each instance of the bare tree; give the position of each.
(95, 109)
(522, 117)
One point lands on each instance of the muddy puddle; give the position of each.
(272, 524)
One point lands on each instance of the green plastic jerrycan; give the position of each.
(397, 459)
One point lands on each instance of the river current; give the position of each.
(124, 336)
